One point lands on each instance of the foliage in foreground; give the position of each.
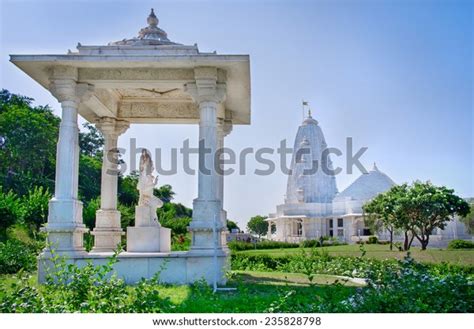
(16, 256)
(320, 262)
(410, 289)
(404, 287)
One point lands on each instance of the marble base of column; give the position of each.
(65, 228)
(108, 231)
(202, 226)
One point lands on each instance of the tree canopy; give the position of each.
(258, 225)
(418, 209)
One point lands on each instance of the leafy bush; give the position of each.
(460, 244)
(372, 240)
(243, 262)
(127, 217)
(16, 255)
(413, 288)
(11, 210)
(180, 242)
(321, 262)
(269, 244)
(266, 244)
(35, 205)
(178, 225)
(89, 212)
(89, 288)
(317, 243)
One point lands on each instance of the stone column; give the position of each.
(65, 228)
(269, 232)
(108, 231)
(224, 127)
(207, 207)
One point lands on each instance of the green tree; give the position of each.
(28, 158)
(417, 209)
(431, 207)
(127, 189)
(164, 193)
(89, 212)
(90, 171)
(232, 225)
(91, 141)
(384, 212)
(468, 220)
(258, 225)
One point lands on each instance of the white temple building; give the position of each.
(313, 208)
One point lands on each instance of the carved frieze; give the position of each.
(159, 110)
(138, 74)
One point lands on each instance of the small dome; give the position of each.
(309, 120)
(367, 186)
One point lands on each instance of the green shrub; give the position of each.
(35, 205)
(178, 225)
(310, 243)
(245, 262)
(322, 263)
(89, 212)
(413, 289)
(89, 288)
(11, 210)
(372, 240)
(127, 217)
(16, 255)
(460, 244)
(180, 242)
(266, 244)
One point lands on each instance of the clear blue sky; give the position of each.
(396, 76)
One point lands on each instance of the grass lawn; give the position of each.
(255, 291)
(461, 257)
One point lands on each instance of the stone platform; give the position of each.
(177, 267)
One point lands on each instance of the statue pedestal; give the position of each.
(147, 235)
(148, 239)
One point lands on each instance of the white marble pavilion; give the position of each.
(146, 79)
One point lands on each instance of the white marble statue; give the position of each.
(146, 184)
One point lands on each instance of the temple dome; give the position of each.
(304, 184)
(367, 186)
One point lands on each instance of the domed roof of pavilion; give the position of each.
(367, 186)
(307, 182)
(151, 35)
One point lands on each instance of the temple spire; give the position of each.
(374, 168)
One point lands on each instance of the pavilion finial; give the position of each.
(151, 35)
(152, 20)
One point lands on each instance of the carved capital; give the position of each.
(207, 91)
(111, 127)
(67, 90)
(224, 127)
